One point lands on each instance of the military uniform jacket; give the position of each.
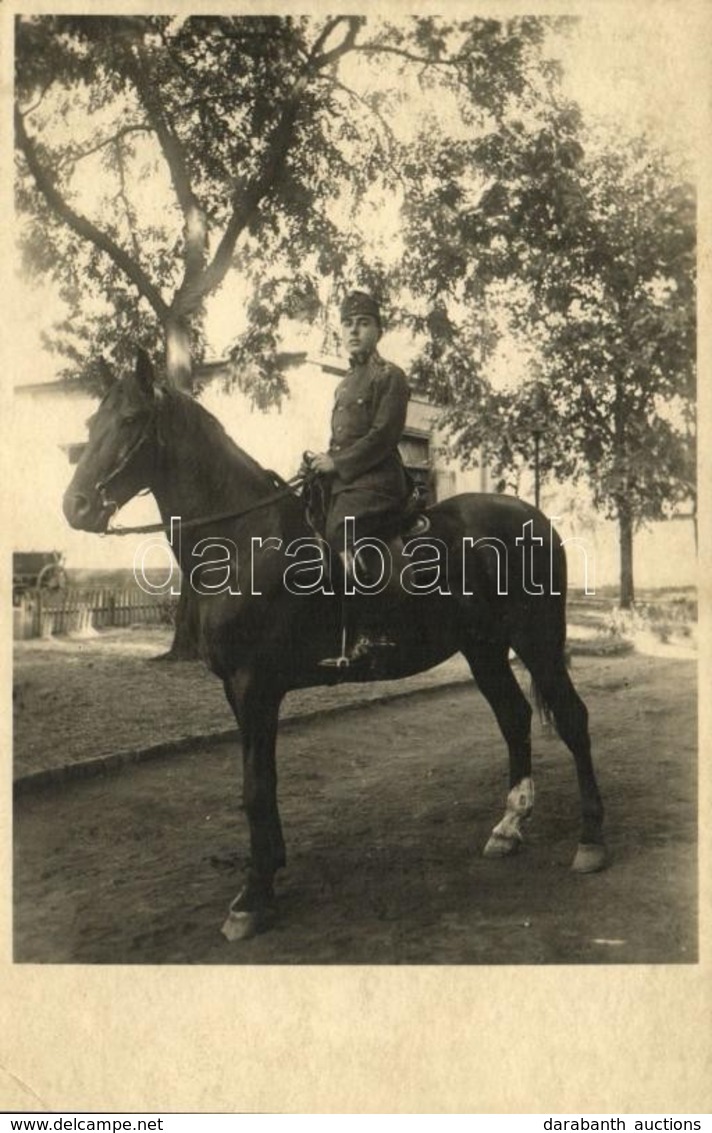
(367, 423)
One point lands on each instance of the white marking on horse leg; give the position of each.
(506, 838)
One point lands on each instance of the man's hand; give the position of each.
(323, 463)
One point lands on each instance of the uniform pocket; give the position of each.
(358, 413)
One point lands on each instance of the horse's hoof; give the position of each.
(244, 924)
(501, 846)
(590, 858)
(240, 926)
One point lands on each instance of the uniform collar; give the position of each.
(355, 363)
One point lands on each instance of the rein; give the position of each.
(289, 489)
(127, 458)
(151, 528)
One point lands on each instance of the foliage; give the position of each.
(587, 255)
(157, 154)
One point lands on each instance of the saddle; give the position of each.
(414, 519)
(407, 522)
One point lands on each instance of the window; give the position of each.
(415, 451)
(444, 484)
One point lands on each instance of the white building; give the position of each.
(49, 418)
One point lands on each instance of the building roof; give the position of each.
(205, 372)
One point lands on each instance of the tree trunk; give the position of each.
(179, 371)
(179, 359)
(625, 527)
(185, 637)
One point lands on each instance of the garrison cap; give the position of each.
(360, 303)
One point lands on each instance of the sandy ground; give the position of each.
(82, 699)
(385, 809)
(86, 698)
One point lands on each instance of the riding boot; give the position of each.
(342, 660)
(362, 634)
(374, 610)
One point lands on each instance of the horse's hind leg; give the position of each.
(551, 676)
(257, 711)
(497, 683)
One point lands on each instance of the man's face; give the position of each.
(359, 334)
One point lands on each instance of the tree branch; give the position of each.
(603, 421)
(371, 109)
(280, 144)
(384, 49)
(72, 159)
(326, 31)
(245, 209)
(195, 226)
(123, 196)
(318, 62)
(82, 225)
(39, 100)
(167, 137)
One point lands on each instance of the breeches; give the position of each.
(374, 514)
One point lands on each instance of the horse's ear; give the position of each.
(145, 374)
(107, 377)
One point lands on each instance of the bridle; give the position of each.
(101, 485)
(285, 488)
(288, 488)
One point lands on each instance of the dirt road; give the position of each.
(385, 811)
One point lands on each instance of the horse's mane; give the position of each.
(195, 420)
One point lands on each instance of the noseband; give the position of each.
(102, 485)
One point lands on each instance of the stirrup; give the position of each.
(342, 661)
(367, 647)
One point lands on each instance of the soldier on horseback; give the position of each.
(366, 484)
(263, 644)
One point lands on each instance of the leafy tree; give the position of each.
(589, 258)
(620, 339)
(157, 154)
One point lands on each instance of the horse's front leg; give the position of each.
(256, 708)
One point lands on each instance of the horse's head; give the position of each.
(118, 458)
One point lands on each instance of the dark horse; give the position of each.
(502, 586)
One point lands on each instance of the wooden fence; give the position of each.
(41, 613)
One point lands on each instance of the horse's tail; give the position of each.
(543, 710)
(536, 695)
(556, 635)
